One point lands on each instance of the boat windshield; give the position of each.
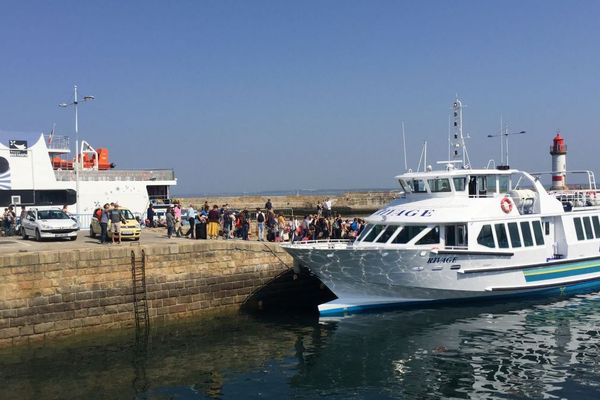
(439, 185)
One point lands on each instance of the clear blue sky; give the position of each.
(243, 96)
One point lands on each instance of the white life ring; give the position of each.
(506, 205)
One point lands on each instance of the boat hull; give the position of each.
(364, 279)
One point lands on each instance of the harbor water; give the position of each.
(518, 350)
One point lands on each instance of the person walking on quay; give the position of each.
(150, 216)
(260, 223)
(327, 208)
(227, 222)
(115, 220)
(281, 225)
(104, 217)
(177, 212)
(336, 228)
(170, 218)
(213, 222)
(191, 214)
(245, 224)
(268, 205)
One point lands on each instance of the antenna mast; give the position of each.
(404, 147)
(459, 148)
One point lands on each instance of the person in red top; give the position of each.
(213, 222)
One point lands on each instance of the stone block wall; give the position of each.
(48, 294)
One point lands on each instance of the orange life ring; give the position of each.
(506, 205)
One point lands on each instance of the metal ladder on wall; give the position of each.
(140, 304)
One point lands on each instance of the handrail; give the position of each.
(116, 175)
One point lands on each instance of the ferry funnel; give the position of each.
(558, 150)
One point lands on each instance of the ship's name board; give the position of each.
(406, 213)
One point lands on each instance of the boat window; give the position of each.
(588, 228)
(432, 237)
(596, 226)
(455, 236)
(364, 232)
(578, 228)
(537, 230)
(482, 186)
(459, 183)
(374, 233)
(405, 185)
(547, 228)
(526, 230)
(501, 236)
(485, 237)
(387, 234)
(418, 186)
(472, 186)
(407, 233)
(504, 183)
(515, 238)
(491, 183)
(439, 185)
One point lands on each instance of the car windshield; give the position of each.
(126, 214)
(52, 214)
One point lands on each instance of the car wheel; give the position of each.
(92, 233)
(24, 234)
(137, 238)
(38, 237)
(73, 238)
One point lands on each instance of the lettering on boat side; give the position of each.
(416, 213)
(406, 213)
(442, 260)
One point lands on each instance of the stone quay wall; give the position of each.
(60, 293)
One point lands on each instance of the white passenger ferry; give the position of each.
(461, 234)
(39, 170)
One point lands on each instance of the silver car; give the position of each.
(46, 224)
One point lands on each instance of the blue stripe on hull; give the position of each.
(562, 274)
(555, 291)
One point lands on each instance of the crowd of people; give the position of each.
(10, 221)
(227, 223)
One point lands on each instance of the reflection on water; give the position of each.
(510, 351)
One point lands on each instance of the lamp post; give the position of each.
(505, 134)
(74, 103)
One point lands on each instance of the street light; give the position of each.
(74, 103)
(505, 134)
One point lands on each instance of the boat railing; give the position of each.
(571, 199)
(116, 175)
(57, 142)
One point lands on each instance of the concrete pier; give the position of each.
(74, 290)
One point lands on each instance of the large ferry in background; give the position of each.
(464, 234)
(39, 170)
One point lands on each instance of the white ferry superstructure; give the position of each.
(35, 170)
(463, 234)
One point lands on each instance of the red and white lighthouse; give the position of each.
(559, 163)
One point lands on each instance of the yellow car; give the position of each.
(130, 227)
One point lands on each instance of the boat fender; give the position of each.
(506, 205)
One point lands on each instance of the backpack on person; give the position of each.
(260, 217)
